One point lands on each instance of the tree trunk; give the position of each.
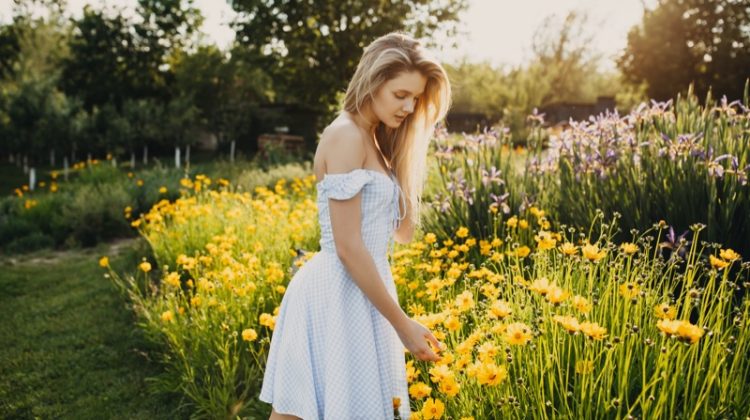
(132, 160)
(187, 156)
(66, 167)
(52, 158)
(177, 157)
(145, 155)
(231, 151)
(32, 178)
(25, 164)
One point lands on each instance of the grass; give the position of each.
(70, 346)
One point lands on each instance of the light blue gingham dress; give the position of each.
(333, 355)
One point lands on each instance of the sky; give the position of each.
(497, 31)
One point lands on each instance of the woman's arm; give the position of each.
(347, 152)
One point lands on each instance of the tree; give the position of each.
(115, 58)
(311, 48)
(226, 89)
(690, 41)
(104, 66)
(478, 88)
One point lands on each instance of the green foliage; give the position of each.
(249, 179)
(690, 41)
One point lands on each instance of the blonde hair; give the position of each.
(405, 147)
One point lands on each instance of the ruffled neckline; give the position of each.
(374, 171)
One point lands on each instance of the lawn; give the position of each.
(70, 347)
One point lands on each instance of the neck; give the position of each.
(366, 120)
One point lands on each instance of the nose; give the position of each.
(409, 107)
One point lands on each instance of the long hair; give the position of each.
(405, 147)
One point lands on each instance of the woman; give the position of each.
(337, 350)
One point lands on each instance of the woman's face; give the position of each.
(397, 97)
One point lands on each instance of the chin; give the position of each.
(396, 123)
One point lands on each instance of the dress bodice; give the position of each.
(380, 210)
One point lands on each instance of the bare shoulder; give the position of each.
(341, 147)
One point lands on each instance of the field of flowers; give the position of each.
(601, 314)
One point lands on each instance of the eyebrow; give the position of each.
(409, 92)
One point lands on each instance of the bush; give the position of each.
(31, 242)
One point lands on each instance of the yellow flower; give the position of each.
(541, 286)
(729, 255)
(556, 295)
(536, 212)
(569, 323)
(491, 374)
(465, 301)
(629, 290)
(545, 240)
(139, 182)
(432, 409)
(717, 263)
(668, 327)
(593, 330)
(145, 266)
(629, 248)
(517, 333)
(689, 332)
(440, 372)
(167, 316)
(163, 190)
(499, 309)
(581, 304)
(430, 238)
(452, 323)
(592, 252)
(462, 232)
(267, 320)
(173, 279)
(104, 262)
(449, 387)
(419, 390)
(411, 372)
(684, 330)
(249, 334)
(584, 366)
(664, 311)
(568, 248)
(522, 251)
(512, 222)
(523, 224)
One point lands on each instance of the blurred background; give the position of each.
(127, 77)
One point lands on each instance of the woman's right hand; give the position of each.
(414, 336)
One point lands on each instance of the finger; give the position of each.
(434, 342)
